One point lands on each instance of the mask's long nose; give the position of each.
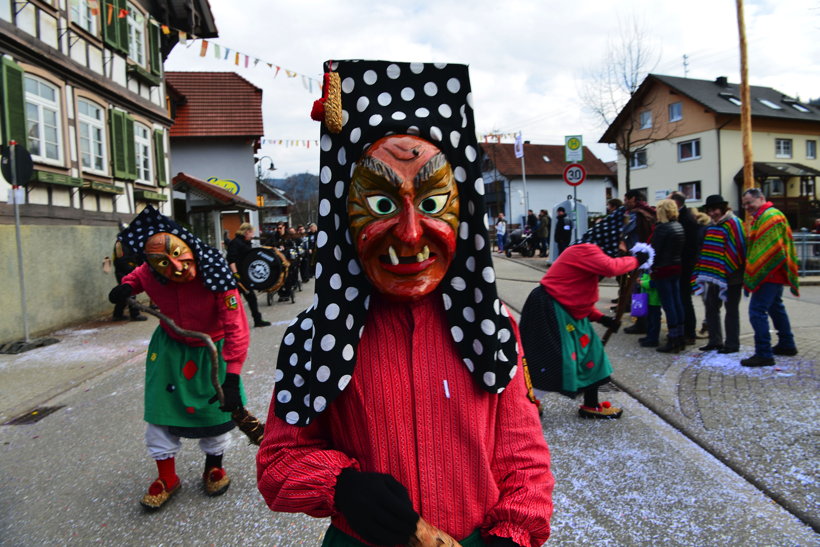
(409, 228)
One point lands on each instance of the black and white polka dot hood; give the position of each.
(317, 357)
(212, 268)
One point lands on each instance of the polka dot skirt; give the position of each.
(211, 265)
(318, 352)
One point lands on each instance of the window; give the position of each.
(731, 98)
(807, 187)
(136, 35)
(689, 150)
(800, 108)
(770, 104)
(690, 189)
(783, 148)
(143, 144)
(646, 119)
(84, 14)
(638, 159)
(43, 120)
(675, 112)
(811, 150)
(91, 126)
(773, 187)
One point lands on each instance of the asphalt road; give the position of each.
(76, 476)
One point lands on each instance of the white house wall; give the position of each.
(664, 172)
(544, 193)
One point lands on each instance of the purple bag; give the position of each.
(640, 304)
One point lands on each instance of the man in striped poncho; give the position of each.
(771, 263)
(719, 274)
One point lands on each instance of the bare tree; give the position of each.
(609, 92)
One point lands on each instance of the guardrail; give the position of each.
(807, 245)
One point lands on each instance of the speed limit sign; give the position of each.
(575, 174)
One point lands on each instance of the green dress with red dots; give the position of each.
(178, 385)
(585, 363)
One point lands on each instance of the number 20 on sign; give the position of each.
(574, 174)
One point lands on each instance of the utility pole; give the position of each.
(745, 103)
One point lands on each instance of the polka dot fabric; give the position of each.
(607, 233)
(318, 353)
(211, 265)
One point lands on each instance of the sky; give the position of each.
(529, 59)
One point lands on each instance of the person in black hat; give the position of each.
(719, 273)
(400, 399)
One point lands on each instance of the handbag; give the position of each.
(640, 304)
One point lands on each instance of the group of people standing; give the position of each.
(540, 227)
(718, 259)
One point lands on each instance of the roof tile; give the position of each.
(216, 104)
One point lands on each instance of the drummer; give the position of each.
(238, 248)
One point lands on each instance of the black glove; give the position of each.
(642, 257)
(501, 542)
(610, 323)
(230, 388)
(120, 294)
(376, 506)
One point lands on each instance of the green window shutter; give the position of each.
(111, 24)
(159, 152)
(119, 156)
(154, 43)
(130, 147)
(121, 5)
(12, 102)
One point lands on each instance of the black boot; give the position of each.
(672, 345)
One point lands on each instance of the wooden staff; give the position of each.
(427, 535)
(247, 422)
(624, 301)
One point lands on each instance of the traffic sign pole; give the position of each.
(15, 193)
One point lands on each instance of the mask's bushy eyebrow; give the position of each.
(436, 162)
(380, 168)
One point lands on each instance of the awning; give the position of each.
(221, 198)
(766, 169)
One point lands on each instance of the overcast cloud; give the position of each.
(527, 58)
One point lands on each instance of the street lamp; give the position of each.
(259, 166)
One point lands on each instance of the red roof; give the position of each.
(183, 182)
(502, 155)
(214, 104)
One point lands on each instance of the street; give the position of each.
(76, 476)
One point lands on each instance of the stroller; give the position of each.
(522, 241)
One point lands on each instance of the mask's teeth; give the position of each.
(420, 257)
(426, 252)
(394, 258)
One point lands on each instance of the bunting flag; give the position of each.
(122, 14)
(165, 29)
(289, 143)
(204, 48)
(217, 51)
(94, 6)
(110, 14)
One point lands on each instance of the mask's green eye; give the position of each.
(433, 204)
(381, 205)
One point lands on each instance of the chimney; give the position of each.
(722, 81)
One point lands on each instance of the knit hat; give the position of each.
(365, 101)
(211, 266)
